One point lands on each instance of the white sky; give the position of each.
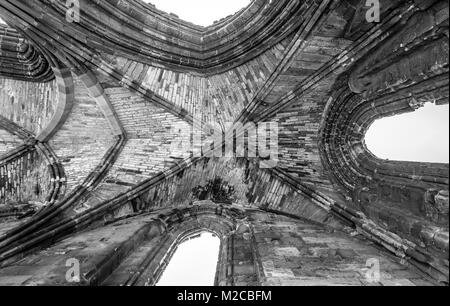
(422, 135)
(1, 21)
(200, 12)
(194, 263)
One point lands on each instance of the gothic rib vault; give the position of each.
(91, 113)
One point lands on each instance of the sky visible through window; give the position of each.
(200, 12)
(194, 263)
(420, 136)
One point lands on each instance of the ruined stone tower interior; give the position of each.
(110, 115)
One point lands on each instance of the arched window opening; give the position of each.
(200, 12)
(194, 263)
(420, 136)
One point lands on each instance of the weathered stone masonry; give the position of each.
(92, 115)
(257, 249)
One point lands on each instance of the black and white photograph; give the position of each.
(222, 150)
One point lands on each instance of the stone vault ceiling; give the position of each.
(93, 112)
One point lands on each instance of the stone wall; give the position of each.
(217, 99)
(84, 138)
(30, 105)
(299, 136)
(407, 70)
(156, 138)
(264, 249)
(24, 180)
(8, 142)
(295, 253)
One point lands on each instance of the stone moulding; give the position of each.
(55, 169)
(365, 179)
(55, 209)
(97, 92)
(65, 85)
(20, 60)
(172, 226)
(418, 257)
(32, 229)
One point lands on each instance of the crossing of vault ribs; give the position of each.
(92, 114)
